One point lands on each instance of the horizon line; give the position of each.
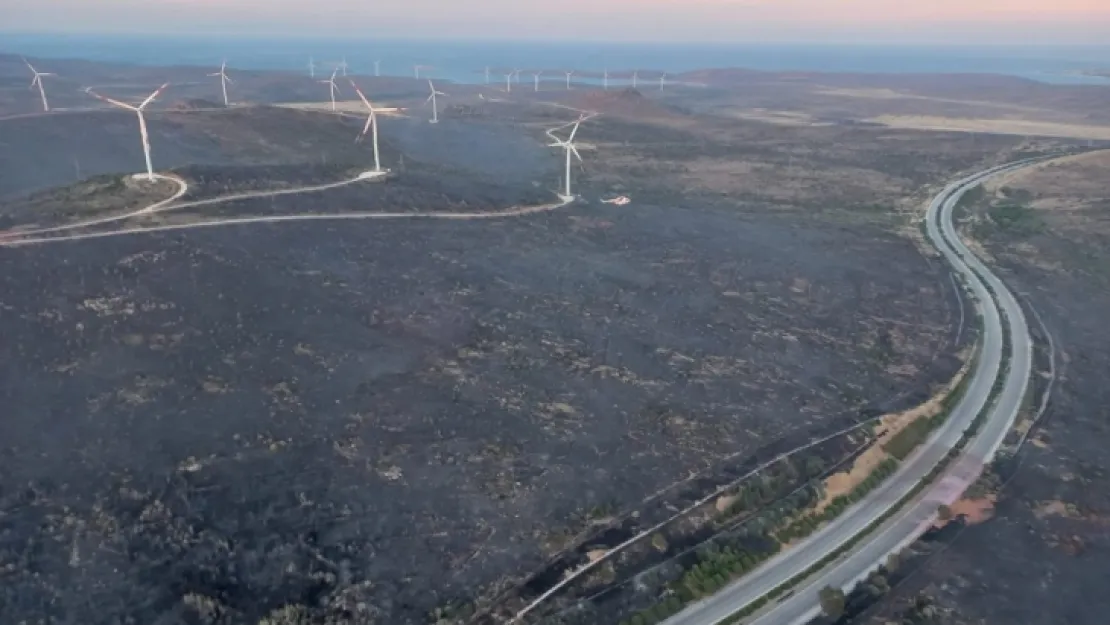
(533, 41)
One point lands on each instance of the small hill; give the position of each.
(192, 104)
(627, 102)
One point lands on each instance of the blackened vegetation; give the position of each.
(404, 415)
(227, 544)
(210, 181)
(831, 172)
(429, 189)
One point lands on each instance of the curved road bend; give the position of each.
(802, 605)
(171, 203)
(182, 188)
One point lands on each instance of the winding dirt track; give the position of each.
(29, 238)
(182, 188)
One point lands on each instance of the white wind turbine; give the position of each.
(371, 123)
(568, 78)
(343, 66)
(536, 78)
(509, 82)
(635, 78)
(570, 148)
(605, 79)
(516, 72)
(662, 80)
(311, 68)
(332, 87)
(487, 74)
(432, 99)
(223, 79)
(37, 82)
(142, 121)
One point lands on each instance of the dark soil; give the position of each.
(400, 414)
(340, 421)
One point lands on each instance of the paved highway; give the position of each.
(907, 525)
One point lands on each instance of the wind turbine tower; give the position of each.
(536, 79)
(311, 68)
(509, 82)
(37, 82)
(568, 78)
(487, 74)
(432, 99)
(142, 121)
(371, 123)
(662, 80)
(343, 66)
(223, 79)
(570, 148)
(635, 78)
(605, 79)
(332, 87)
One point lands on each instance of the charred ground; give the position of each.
(367, 420)
(426, 404)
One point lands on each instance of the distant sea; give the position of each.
(463, 61)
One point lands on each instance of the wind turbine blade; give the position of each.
(151, 97)
(574, 150)
(47, 74)
(29, 66)
(574, 131)
(366, 128)
(361, 96)
(110, 100)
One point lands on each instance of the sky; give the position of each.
(817, 21)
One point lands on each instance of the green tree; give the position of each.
(944, 513)
(832, 601)
(814, 466)
(659, 542)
